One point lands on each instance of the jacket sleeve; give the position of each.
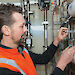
(5, 71)
(57, 71)
(45, 57)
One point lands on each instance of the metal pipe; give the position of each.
(70, 31)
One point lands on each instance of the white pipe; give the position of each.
(31, 2)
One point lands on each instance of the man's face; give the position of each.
(18, 28)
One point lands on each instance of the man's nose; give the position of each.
(25, 29)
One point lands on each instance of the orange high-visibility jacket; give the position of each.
(13, 60)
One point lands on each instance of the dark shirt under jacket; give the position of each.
(45, 57)
(57, 71)
(37, 59)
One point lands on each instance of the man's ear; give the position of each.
(6, 30)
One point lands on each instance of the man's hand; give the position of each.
(60, 36)
(66, 57)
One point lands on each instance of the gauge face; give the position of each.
(28, 41)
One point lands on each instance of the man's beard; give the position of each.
(22, 39)
(17, 42)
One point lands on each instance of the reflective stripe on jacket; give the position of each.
(12, 63)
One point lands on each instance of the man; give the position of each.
(12, 27)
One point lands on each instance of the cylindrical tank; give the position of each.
(71, 9)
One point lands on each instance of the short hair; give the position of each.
(6, 11)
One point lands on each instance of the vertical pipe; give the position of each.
(45, 34)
